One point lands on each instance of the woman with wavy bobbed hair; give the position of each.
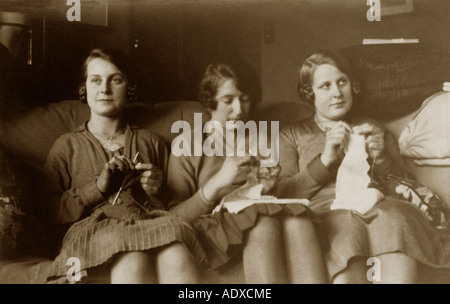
(307, 72)
(242, 74)
(311, 153)
(105, 186)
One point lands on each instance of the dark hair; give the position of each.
(310, 65)
(245, 78)
(116, 57)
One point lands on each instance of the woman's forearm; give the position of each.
(193, 207)
(306, 183)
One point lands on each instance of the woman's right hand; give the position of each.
(113, 174)
(231, 168)
(336, 142)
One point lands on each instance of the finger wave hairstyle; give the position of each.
(245, 78)
(307, 70)
(120, 60)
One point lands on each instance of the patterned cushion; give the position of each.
(420, 196)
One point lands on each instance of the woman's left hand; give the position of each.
(374, 139)
(151, 178)
(268, 176)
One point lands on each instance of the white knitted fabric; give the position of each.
(352, 192)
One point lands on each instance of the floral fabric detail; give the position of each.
(422, 197)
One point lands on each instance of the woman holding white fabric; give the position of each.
(276, 242)
(311, 152)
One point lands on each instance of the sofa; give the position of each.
(28, 136)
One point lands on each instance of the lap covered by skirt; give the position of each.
(97, 238)
(391, 226)
(222, 233)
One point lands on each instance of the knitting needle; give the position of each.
(121, 187)
(135, 158)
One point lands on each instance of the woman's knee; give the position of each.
(134, 261)
(133, 268)
(297, 223)
(397, 268)
(176, 257)
(176, 264)
(265, 228)
(175, 253)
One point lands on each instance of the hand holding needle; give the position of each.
(121, 187)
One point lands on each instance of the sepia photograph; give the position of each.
(194, 143)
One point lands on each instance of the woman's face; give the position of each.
(232, 104)
(332, 92)
(106, 88)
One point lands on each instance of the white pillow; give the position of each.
(426, 138)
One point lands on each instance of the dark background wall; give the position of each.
(172, 41)
(304, 26)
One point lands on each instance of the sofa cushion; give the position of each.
(426, 138)
(29, 137)
(434, 177)
(161, 116)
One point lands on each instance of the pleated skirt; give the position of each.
(391, 226)
(97, 238)
(222, 233)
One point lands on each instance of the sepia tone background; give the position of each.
(171, 41)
